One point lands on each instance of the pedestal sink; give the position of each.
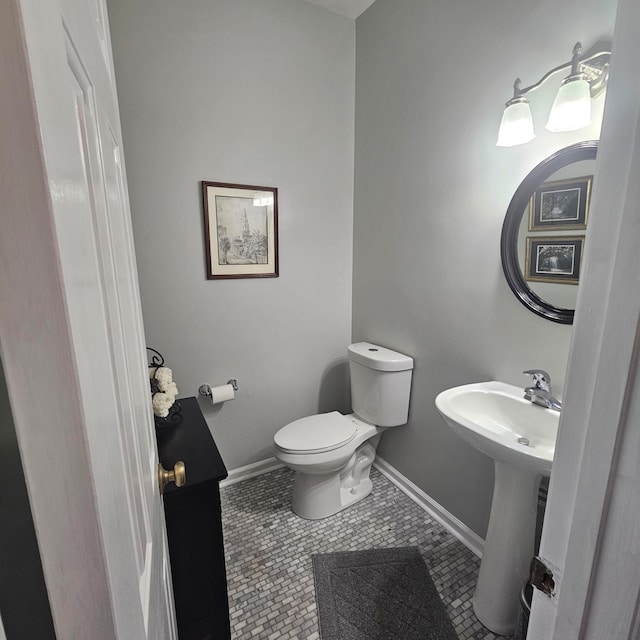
(494, 418)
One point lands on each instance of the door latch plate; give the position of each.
(541, 576)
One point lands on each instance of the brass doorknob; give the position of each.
(178, 475)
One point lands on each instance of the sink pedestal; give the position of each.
(508, 548)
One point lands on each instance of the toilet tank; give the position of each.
(380, 384)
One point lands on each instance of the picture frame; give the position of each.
(554, 259)
(240, 230)
(560, 204)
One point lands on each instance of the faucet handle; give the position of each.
(541, 379)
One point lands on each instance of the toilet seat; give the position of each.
(316, 434)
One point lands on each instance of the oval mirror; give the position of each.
(544, 229)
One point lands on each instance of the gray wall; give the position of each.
(431, 190)
(255, 92)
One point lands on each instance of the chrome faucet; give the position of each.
(540, 392)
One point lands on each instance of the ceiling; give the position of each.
(351, 8)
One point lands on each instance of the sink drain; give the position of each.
(524, 441)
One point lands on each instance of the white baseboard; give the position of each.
(251, 470)
(458, 529)
(469, 538)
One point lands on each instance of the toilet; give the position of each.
(332, 453)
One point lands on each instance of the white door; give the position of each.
(71, 334)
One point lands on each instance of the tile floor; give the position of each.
(268, 555)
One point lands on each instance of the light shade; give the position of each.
(571, 109)
(517, 125)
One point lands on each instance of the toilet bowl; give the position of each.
(332, 468)
(332, 453)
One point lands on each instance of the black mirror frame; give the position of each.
(509, 240)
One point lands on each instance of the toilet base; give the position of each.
(320, 496)
(314, 501)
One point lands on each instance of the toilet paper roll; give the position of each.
(223, 393)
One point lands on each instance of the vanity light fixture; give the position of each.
(571, 108)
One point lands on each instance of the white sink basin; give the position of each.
(495, 419)
(493, 416)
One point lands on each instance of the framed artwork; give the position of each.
(561, 204)
(240, 230)
(554, 259)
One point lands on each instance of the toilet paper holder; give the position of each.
(205, 389)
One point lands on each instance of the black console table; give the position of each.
(194, 527)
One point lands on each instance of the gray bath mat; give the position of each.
(378, 594)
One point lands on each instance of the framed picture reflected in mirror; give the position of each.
(560, 204)
(554, 259)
